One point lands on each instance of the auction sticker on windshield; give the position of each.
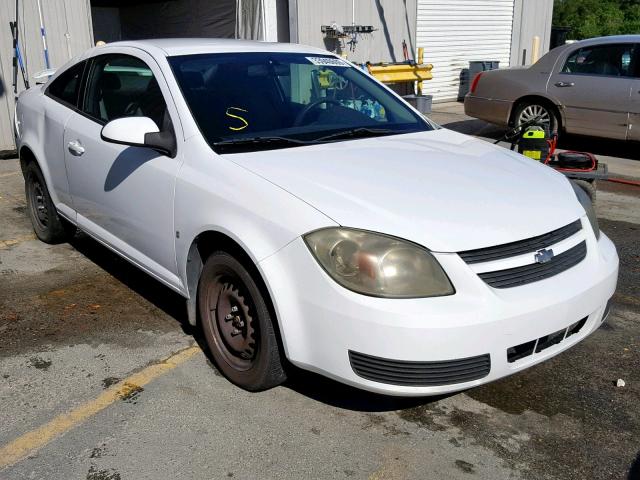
(328, 61)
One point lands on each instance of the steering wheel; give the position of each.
(305, 111)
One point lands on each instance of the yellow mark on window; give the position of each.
(246, 124)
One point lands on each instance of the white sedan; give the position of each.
(310, 216)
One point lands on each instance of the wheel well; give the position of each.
(211, 241)
(531, 99)
(26, 157)
(201, 248)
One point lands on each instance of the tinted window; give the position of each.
(609, 60)
(123, 86)
(292, 95)
(66, 87)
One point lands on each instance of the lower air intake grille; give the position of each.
(513, 277)
(420, 374)
(526, 349)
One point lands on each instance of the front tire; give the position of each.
(237, 324)
(47, 224)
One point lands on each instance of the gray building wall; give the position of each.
(395, 20)
(68, 27)
(530, 18)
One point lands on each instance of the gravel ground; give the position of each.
(76, 320)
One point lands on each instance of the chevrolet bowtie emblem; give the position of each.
(543, 256)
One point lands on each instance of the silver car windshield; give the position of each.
(252, 101)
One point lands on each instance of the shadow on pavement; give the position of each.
(595, 145)
(339, 395)
(475, 127)
(147, 287)
(600, 146)
(634, 472)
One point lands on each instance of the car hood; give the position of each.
(446, 191)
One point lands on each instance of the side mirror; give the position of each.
(139, 132)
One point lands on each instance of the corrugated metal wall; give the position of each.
(68, 27)
(395, 20)
(458, 31)
(530, 19)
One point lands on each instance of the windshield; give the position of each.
(258, 101)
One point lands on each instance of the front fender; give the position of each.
(213, 194)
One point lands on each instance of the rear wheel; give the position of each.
(237, 324)
(530, 110)
(47, 224)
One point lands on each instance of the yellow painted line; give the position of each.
(15, 241)
(9, 174)
(31, 441)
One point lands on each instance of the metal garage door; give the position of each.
(457, 31)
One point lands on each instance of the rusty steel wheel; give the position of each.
(237, 324)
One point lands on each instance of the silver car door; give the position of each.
(634, 104)
(60, 102)
(593, 85)
(124, 195)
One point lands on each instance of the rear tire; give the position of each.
(530, 109)
(47, 224)
(237, 324)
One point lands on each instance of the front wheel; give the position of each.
(237, 324)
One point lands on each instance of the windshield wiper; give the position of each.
(260, 141)
(359, 132)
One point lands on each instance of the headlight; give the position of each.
(586, 203)
(378, 265)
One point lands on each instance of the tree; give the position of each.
(595, 18)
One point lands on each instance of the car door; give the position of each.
(60, 102)
(593, 85)
(634, 104)
(124, 195)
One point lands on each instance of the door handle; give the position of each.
(76, 148)
(564, 84)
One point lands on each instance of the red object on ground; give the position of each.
(626, 182)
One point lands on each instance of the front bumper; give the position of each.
(488, 109)
(321, 321)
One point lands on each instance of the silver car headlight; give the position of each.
(378, 265)
(586, 203)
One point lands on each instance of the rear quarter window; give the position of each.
(66, 87)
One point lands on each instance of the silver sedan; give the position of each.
(591, 87)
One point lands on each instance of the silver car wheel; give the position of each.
(531, 112)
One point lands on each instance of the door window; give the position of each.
(124, 86)
(66, 87)
(606, 60)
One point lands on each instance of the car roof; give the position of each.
(188, 46)
(609, 39)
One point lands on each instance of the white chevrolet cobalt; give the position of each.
(309, 215)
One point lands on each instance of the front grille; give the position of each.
(419, 374)
(523, 246)
(523, 350)
(513, 277)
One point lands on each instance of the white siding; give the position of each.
(60, 17)
(458, 31)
